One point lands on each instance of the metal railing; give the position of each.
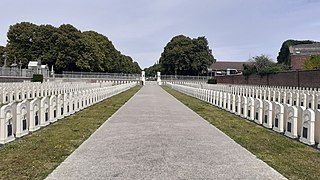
(98, 75)
(182, 77)
(17, 72)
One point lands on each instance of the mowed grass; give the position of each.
(37, 155)
(289, 157)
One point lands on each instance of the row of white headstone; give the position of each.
(26, 107)
(292, 111)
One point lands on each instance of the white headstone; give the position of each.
(250, 108)
(292, 122)
(244, 106)
(267, 114)
(258, 111)
(22, 119)
(278, 123)
(7, 123)
(34, 114)
(307, 128)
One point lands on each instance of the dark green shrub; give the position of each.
(212, 81)
(37, 78)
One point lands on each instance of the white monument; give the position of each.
(159, 78)
(143, 78)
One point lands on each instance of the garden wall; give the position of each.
(291, 78)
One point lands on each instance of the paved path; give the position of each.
(154, 136)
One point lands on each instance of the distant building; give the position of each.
(34, 65)
(302, 52)
(37, 68)
(221, 68)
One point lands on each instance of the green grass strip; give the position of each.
(289, 157)
(35, 156)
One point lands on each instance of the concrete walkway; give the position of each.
(154, 136)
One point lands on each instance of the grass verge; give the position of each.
(37, 155)
(289, 157)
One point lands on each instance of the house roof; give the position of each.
(33, 64)
(305, 49)
(223, 65)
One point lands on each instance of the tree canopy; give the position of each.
(284, 54)
(152, 70)
(263, 65)
(67, 48)
(1, 55)
(186, 56)
(313, 63)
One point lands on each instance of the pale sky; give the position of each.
(235, 29)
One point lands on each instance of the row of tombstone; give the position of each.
(295, 121)
(16, 92)
(308, 98)
(30, 106)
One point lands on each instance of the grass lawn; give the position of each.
(37, 155)
(289, 157)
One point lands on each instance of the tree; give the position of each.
(1, 55)
(44, 44)
(313, 63)
(105, 56)
(284, 54)
(263, 65)
(152, 70)
(67, 48)
(186, 56)
(249, 69)
(136, 68)
(69, 44)
(103, 50)
(20, 41)
(92, 55)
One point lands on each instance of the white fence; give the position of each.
(294, 112)
(26, 107)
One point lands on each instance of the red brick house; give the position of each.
(300, 53)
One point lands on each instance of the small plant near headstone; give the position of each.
(37, 78)
(212, 81)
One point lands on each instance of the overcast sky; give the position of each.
(235, 29)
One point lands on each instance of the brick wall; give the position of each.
(258, 80)
(292, 78)
(297, 61)
(309, 79)
(240, 79)
(284, 79)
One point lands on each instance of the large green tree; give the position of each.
(313, 63)
(101, 47)
(20, 43)
(284, 54)
(67, 48)
(186, 56)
